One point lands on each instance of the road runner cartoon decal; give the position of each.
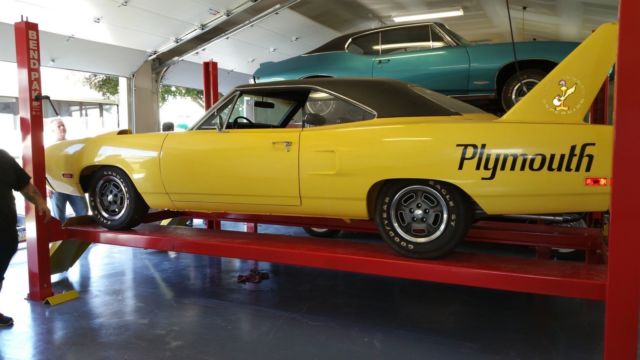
(559, 100)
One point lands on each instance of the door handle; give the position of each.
(287, 144)
(384, 61)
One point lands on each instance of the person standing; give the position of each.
(59, 200)
(14, 178)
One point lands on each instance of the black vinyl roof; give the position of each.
(338, 44)
(388, 98)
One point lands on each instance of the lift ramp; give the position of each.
(65, 253)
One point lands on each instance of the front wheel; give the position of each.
(422, 219)
(519, 85)
(114, 200)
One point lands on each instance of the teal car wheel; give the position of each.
(519, 85)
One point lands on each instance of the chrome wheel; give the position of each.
(419, 213)
(112, 197)
(522, 88)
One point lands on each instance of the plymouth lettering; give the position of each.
(493, 161)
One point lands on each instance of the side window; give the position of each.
(218, 116)
(437, 40)
(405, 39)
(296, 120)
(324, 109)
(368, 44)
(259, 111)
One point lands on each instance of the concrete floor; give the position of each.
(143, 304)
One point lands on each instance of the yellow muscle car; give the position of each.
(419, 163)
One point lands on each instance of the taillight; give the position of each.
(67, 175)
(596, 181)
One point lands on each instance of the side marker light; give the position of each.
(596, 181)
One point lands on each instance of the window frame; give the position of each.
(346, 47)
(452, 42)
(309, 88)
(231, 97)
(427, 31)
(283, 121)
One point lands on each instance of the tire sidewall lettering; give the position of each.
(412, 248)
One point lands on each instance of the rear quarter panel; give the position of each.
(339, 164)
(487, 59)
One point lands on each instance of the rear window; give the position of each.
(447, 102)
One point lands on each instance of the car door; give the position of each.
(252, 160)
(423, 55)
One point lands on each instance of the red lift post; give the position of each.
(617, 284)
(27, 39)
(210, 81)
(623, 282)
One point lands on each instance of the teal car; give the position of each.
(429, 55)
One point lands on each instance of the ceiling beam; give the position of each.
(234, 22)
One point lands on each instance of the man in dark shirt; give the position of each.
(13, 177)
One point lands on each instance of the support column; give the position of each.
(125, 101)
(27, 38)
(210, 83)
(623, 284)
(146, 96)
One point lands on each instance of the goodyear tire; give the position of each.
(321, 232)
(518, 85)
(422, 219)
(114, 201)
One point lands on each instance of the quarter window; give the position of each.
(325, 109)
(368, 44)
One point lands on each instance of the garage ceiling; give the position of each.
(137, 28)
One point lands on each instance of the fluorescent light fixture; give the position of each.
(427, 16)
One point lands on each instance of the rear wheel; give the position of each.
(519, 85)
(114, 200)
(422, 219)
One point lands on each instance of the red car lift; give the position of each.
(617, 283)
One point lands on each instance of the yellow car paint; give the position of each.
(532, 160)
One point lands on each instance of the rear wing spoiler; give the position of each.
(565, 95)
